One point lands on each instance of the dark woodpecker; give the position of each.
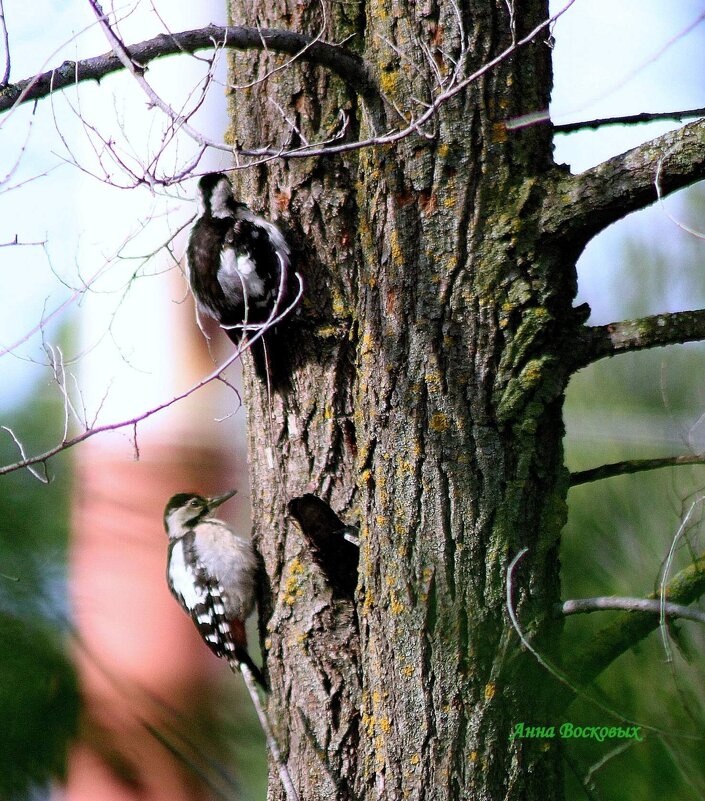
(238, 264)
(213, 574)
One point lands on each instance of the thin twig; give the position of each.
(628, 119)
(45, 478)
(6, 44)
(272, 744)
(579, 606)
(665, 575)
(631, 466)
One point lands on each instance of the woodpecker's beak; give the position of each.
(215, 502)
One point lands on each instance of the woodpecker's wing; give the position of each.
(201, 596)
(262, 263)
(205, 248)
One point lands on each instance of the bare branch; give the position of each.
(43, 478)
(335, 58)
(653, 606)
(15, 242)
(266, 726)
(29, 461)
(632, 466)
(597, 342)
(133, 422)
(628, 119)
(581, 206)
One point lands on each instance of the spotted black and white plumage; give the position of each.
(238, 262)
(212, 573)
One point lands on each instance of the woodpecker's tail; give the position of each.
(240, 655)
(276, 365)
(272, 360)
(243, 658)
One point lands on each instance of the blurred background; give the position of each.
(97, 326)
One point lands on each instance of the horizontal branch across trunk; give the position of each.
(628, 119)
(305, 48)
(583, 205)
(656, 331)
(630, 466)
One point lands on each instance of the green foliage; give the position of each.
(38, 690)
(620, 531)
(38, 707)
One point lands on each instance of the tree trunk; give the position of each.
(425, 404)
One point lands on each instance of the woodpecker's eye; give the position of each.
(193, 502)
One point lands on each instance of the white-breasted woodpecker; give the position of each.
(212, 573)
(238, 262)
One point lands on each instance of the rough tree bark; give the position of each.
(426, 407)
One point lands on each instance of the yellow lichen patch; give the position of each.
(449, 201)
(379, 750)
(499, 132)
(439, 422)
(327, 331)
(408, 671)
(406, 467)
(395, 247)
(472, 756)
(339, 307)
(389, 82)
(381, 521)
(531, 374)
(490, 690)
(385, 725)
(367, 344)
(433, 381)
(292, 585)
(395, 605)
(415, 759)
(300, 637)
